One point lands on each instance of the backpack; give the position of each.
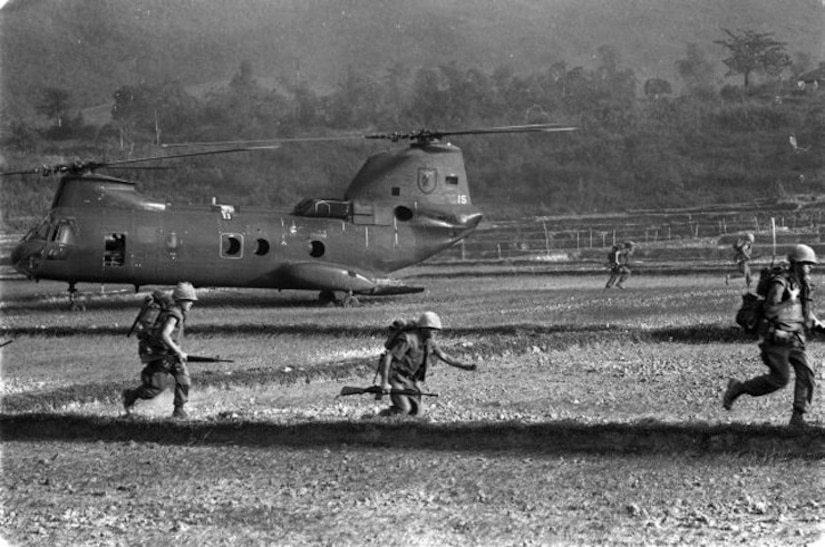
(396, 329)
(751, 312)
(146, 318)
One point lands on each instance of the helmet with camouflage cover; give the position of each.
(802, 254)
(429, 320)
(184, 291)
(749, 236)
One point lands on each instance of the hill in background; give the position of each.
(92, 47)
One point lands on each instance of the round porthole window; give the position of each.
(316, 249)
(261, 247)
(403, 213)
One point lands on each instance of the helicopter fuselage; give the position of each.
(399, 210)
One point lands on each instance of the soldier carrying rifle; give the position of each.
(160, 350)
(403, 367)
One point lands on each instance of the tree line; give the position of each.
(639, 144)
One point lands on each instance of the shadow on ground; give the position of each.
(545, 438)
(563, 336)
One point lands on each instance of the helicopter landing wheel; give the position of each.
(326, 298)
(74, 302)
(350, 301)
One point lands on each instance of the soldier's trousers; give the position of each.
(620, 273)
(406, 404)
(779, 359)
(156, 376)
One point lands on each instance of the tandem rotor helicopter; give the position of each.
(401, 208)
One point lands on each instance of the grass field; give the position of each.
(594, 418)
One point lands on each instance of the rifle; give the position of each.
(350, 390)
(143, 308)
(201, 359)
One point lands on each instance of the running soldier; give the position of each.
(162, 355)
(787, 313)
(404, 365)
(742, 251)
(618, 262)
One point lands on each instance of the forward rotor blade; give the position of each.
(81, 166)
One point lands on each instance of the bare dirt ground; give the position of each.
(594, 419)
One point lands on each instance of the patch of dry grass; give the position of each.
(594, 418)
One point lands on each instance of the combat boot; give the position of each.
(733, 391)
(128, 398)
(797, 420)
(179, 413)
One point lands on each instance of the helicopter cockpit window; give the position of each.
(452, 179)
(114, 250)
(231, 245)
(63, 234)
(396, 191)
(40, 232)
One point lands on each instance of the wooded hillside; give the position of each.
(195, 71)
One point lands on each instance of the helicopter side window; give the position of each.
(231, 246)
(261, 247)
(316, 249)
(452, 179)
(114, 250)
(396, 191)
(403, 213)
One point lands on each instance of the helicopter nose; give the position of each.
(26, 256)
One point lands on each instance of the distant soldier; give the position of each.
(404, 365)
(618, 262)
(162, 355)
(787, 313)
(742, 251)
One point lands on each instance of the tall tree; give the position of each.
(54, 104)
(752, 51)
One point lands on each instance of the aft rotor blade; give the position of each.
(435, 134)
(263, 141)
(418, 135)
(531, 128)
(191, 154)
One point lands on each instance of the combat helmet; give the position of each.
(184, 291)
(802, 254)
(749, 237)
(429, 320)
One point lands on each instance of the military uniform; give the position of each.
(742, 252)
(618, 260)
(408, 370)
(404, 364)
(162, 358)
(787, 314)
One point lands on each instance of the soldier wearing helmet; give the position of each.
(618, 261)
(788, 313)
(742, 251)
(162, 355)
(404, 365)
